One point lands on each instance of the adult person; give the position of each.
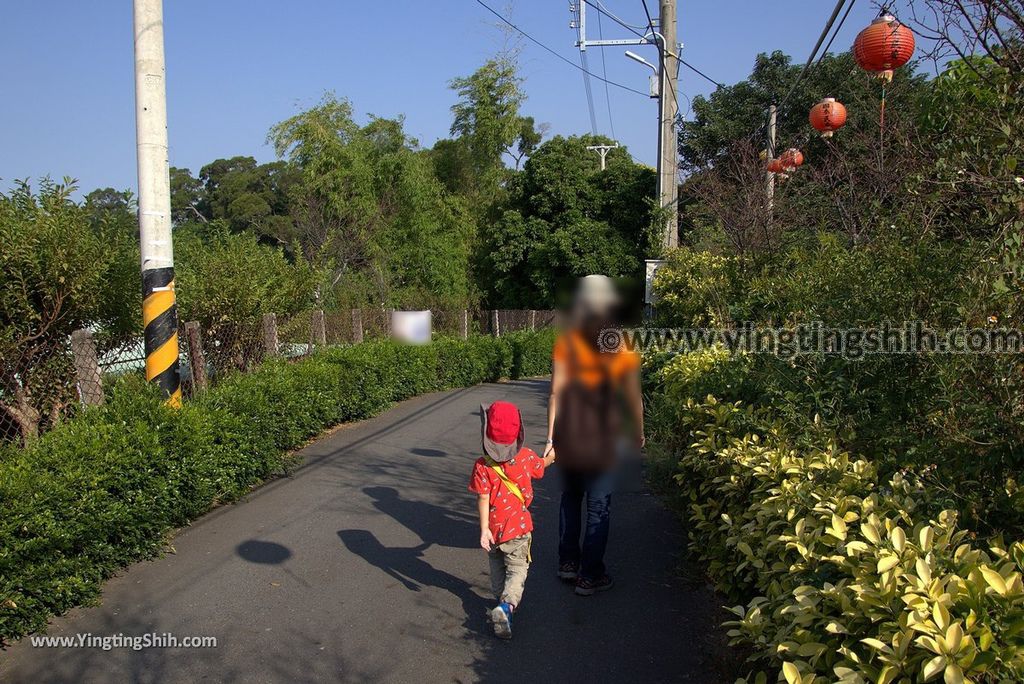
(594, 412)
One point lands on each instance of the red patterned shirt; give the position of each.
(509, 517)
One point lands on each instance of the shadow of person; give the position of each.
(432, 524)
(406, 565)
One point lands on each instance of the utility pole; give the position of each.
(159, 311)
(664, 37)
(668, 159)
(603, 151)
(770, 155)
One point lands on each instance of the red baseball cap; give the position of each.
(503, 433)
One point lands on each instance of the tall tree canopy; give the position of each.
(370, 209)
(565, 218)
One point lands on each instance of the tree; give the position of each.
(851, 183)
(250, 196)
(565, 218)
(529, 137)
(61, 269)
(487, 113)
(740, 111)
(486, 126)
(227, 281)
(110, 204)
(370, 211)
(188, 194)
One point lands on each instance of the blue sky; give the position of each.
(235, 67)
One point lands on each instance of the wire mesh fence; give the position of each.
(43, 383)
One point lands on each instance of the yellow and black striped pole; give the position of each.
(159, 312)
(160, 317)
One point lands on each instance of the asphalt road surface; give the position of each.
(363, 566)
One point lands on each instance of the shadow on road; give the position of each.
(268, 553)
(432, 524)
(431, 453)
(407, 566)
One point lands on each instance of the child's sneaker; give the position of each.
(589, 587)
(501, 616)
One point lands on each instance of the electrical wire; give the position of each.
(585, 68)
(584, 62)
(650, 20)
(699, 72)
(633, 29)
(764, 124)
(601, 9)
(604, 69)
(814, 53)
(556, 54)
(835, 33)
(663, 52)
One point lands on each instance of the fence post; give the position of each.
(87, 368)
(495, 330)
(270, 335)
(533, 320)
(196, 357)
(318, 330)
(464, 324)
(357, 326)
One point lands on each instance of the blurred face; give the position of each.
(591, 321)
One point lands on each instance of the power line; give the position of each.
(586, 78)
(650, 21)
(604, 69)
(584, 67)
(556, 54)
(585, 63)
(699, 72)
(835, 33)
(633, 29)
(814, 52)
(601, 9)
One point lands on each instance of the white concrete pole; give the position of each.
(159, 311)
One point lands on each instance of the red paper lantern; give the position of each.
(828, 116)
(791, 159)
(775, 166)
(883, 46)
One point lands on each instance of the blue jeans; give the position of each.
(597, 488)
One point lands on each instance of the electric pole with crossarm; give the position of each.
(603, 150)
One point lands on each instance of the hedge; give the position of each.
(106, 488)
(845, 577)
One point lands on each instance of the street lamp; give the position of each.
(654, 85)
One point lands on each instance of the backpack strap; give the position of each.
(512, 486)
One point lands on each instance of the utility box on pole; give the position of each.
(159, 310)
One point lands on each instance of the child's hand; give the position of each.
(486, 539)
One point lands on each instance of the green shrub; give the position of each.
(530, 359)
(105, 489)
(844, 575)
(697, 288)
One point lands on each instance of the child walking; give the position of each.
(502, 479)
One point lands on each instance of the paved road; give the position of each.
(363, 566)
